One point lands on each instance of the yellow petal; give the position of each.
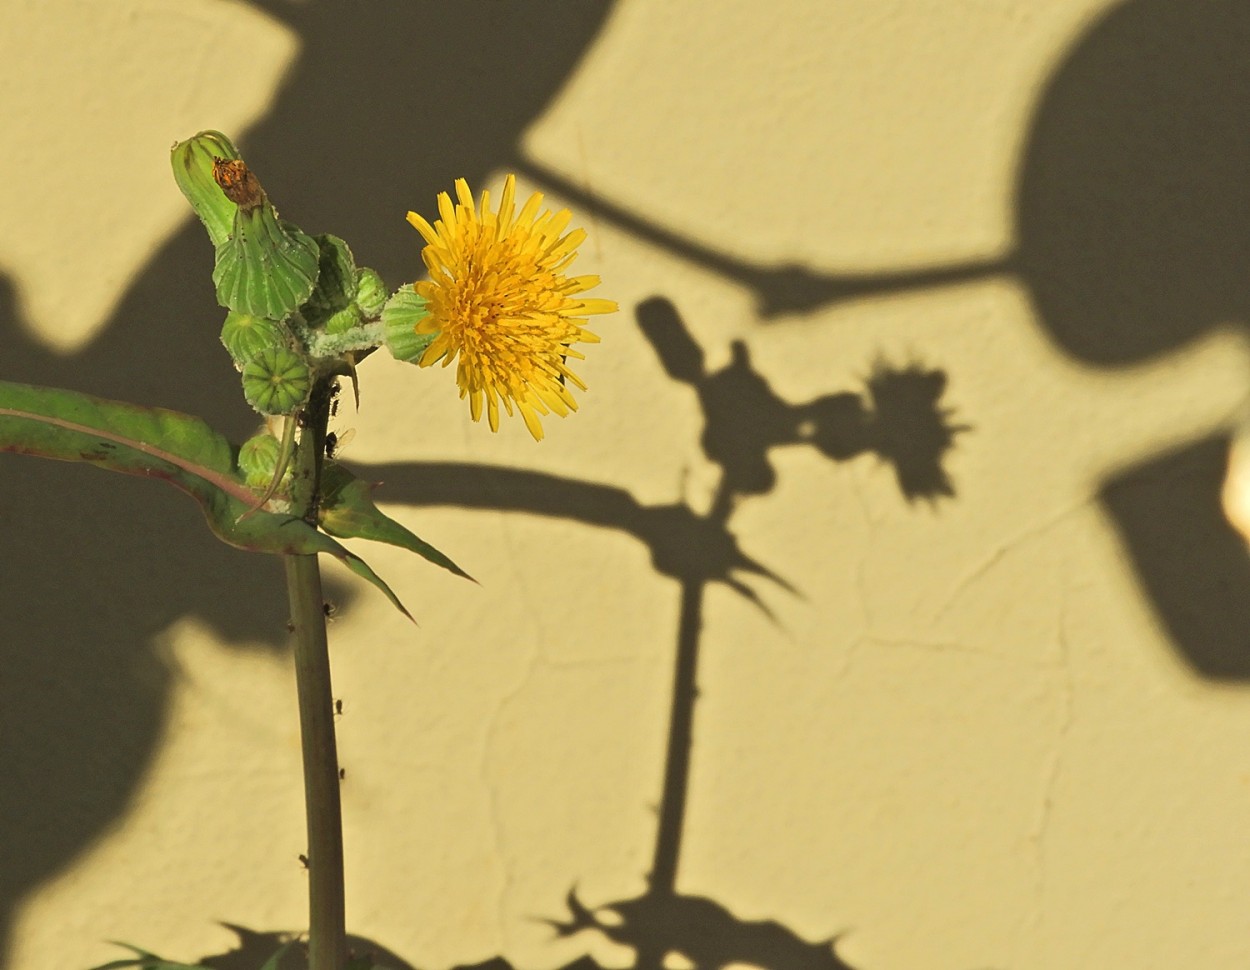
(502, 305)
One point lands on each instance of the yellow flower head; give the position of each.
(500, 302)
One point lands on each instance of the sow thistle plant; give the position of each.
(300, 315)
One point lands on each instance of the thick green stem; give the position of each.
(327, 946)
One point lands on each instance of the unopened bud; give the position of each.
(276, 381)
(400, 317)
(194, 162)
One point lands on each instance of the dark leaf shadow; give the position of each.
(700, 931)
(781, 290)
(682, 542)
(1133, 213)
(254, 948)
(1192, 564)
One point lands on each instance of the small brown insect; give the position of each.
(338, 708)
(238, 183)
(342, 773)
(303, 860)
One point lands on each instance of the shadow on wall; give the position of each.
(255, 948)
(897, 417)
(1132, 224)
(1133, 237)
(1133, 220)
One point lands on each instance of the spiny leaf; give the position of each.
(348, 511)
(361, 569)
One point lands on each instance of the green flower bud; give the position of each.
(336, 280)
(370, 292)
(403, 311)
(276, 381)
(346, 319)
(193, 162)
(258, 460)
(245, 336)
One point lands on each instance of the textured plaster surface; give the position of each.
(966, 739)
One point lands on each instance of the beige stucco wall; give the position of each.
(1003, 728)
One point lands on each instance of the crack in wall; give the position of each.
(1000, 552)
(494, 810)
(495, 814)
(1051, 771)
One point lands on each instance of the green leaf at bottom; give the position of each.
(143, 960)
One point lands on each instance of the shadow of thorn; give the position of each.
(254, 948)
(700, 931)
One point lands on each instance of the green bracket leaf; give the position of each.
(371, 292)
(335, 288)
(266, 267)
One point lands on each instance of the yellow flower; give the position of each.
(501, 303)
